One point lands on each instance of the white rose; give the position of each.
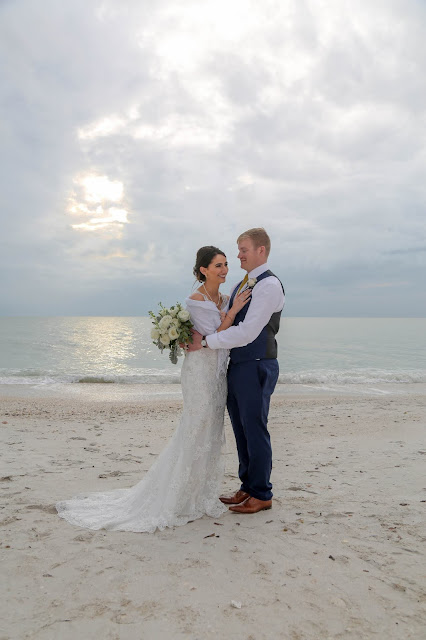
(164, 339)
(251, 282)
(175, 322)
(155, 334)
(173, 312)
(183, 315)
(165, 322)
(173, 334)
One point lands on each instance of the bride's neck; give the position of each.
(213, 291)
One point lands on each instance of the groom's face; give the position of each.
(249, 256)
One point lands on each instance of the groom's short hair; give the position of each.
(259, 237)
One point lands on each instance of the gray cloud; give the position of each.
(304, 117)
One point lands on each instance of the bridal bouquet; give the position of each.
(171, 327)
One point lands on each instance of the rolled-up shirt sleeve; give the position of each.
(267, 298)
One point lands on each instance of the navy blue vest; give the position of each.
(265, 345)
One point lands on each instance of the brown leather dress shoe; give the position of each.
(236, 498)
(252, 505)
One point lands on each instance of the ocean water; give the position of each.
(312, 351)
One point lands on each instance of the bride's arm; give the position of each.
(240, 301)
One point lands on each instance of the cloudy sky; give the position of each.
(135, 131)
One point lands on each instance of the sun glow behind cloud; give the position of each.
(94, 199)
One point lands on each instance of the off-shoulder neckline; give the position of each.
(206, 302)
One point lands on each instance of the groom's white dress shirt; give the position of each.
(267, 298)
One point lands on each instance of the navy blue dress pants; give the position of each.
(250, 386)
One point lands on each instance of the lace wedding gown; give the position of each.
(184, 482)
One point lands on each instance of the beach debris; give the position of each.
(5, 478)
(236, 604)
(403, 504)
(5, 422)
(219, 524)
(211, 535)
(331, 558)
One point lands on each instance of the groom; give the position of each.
(252, 372)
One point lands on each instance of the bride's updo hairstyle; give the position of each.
(204, 257)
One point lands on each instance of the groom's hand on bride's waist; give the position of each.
(196, 341)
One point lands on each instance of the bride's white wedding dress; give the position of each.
(184, 482)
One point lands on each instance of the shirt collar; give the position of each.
(258, 271)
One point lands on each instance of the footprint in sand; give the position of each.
(47, 508)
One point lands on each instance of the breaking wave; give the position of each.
(158, 376)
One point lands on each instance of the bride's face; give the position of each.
(217, 270)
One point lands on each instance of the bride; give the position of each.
(184, 482)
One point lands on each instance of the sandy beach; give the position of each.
(340, 555)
